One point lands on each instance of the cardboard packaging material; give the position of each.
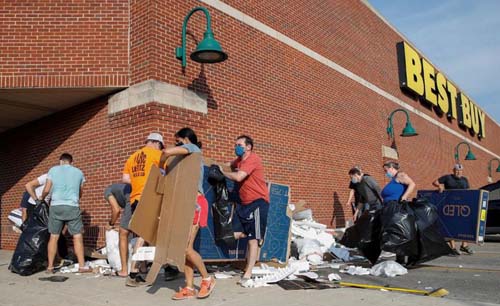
(165, 212)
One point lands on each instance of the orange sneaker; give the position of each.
(184, 293)
(206, 288)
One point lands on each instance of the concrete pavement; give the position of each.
(99, 290)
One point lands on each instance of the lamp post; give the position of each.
(208, 50)
(408, 131)
(490, 179)
(469, 156)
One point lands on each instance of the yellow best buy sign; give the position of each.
(418, 76)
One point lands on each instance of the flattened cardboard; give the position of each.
(145, 220)
(166, 218)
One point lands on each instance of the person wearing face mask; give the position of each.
(401, 185)
(248, 172)
(186, 143)
(455, 181)
(366, 190)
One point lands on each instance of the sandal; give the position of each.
(50, 271)
(117, 274)
(85, 270)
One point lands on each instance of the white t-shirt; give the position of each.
(42, 180)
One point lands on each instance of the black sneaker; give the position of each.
(467, 250)
(171, 273)
(454, 252)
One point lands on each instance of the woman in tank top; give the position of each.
(401, 185)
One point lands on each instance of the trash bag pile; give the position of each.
(30, 255)
(408, 229)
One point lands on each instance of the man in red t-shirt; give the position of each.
(248, 172)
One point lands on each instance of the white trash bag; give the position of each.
(113, 249)
(388, 268)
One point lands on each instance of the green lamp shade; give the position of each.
(470, 156)
(409, 130)
(498, 168)
(208, 50)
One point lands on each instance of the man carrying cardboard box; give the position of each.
(248, 172)
(135, 173)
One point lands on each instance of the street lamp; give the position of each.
(208, 50)
(469, 156)
(407, 131)
(489, 166)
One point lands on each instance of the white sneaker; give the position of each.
(246, 283)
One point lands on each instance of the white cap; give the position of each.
(155, 137)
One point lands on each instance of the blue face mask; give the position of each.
(389, 175)
(239, 151)
(354, 180)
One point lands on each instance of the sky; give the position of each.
(461, 38)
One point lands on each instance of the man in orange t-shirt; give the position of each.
(248, 172)
(135, 173)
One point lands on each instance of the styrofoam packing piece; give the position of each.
(144, 253)
(280, 274)
(310, 275)
(301, 215)
(299, 265)
(315, 259)
(70, 269)
(355, 270)
(326, 239)
(305, 233)
(308, 247)
(334, 276)
(98, 263)
(261, 271)
(311, 223)
(223, 275)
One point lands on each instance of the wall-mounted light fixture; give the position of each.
(408, 130)
(208, 50)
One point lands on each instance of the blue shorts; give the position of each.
(24, 201)
(252, 219)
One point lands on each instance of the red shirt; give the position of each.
(253, 187)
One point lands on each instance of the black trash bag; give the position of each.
(365, 235)
(215, 176)
(399, 230)
(370, 227)
(30, 255)
(223, 212)
(431, 244)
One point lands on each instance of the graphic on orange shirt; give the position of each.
(138, 167)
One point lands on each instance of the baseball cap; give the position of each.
(458, 167)
(155, 137)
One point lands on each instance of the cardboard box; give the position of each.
(165, 212)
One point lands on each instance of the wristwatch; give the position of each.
(111, 224)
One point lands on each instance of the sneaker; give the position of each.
(467, 250)
(454, 252)
(170, 273)
(184, 293)
(135, 282)
(206, 288)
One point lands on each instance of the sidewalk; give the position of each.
(98, 290)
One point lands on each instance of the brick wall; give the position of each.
(64, 43)
(310, 123)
